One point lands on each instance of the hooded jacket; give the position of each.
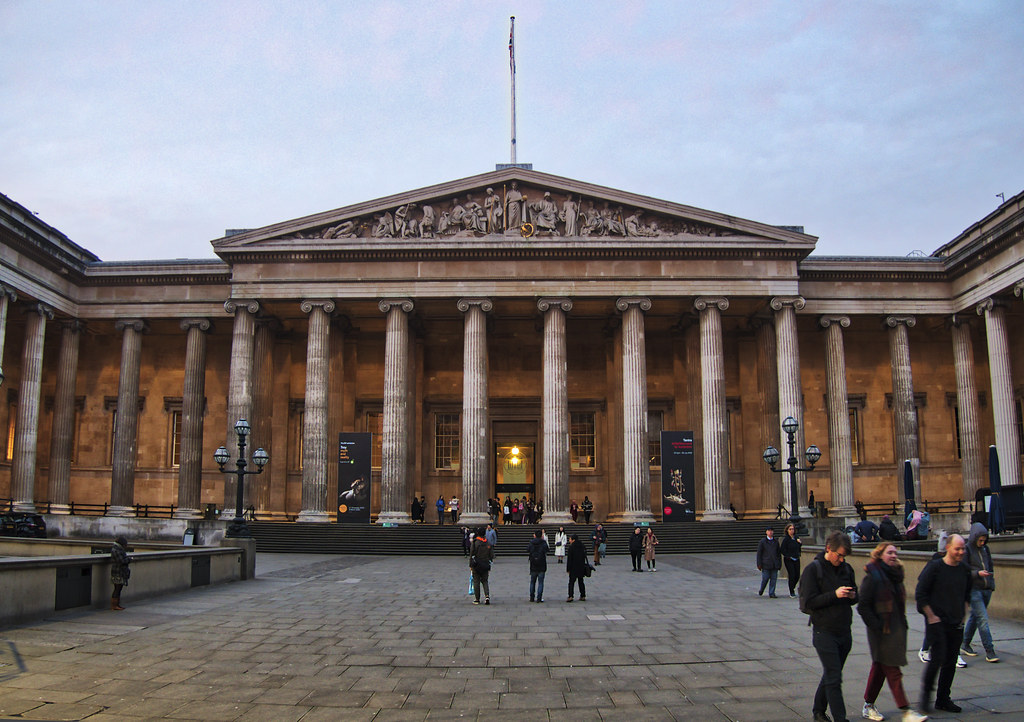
(979, 559)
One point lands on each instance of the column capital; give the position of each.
(894, 321)
(41, 308)
(485, 304)
(405, 304)
(826, 321)
(233, 304)
(1018, 289)
(543, 304)
(135, 324)
(326, 304)
(987, 305)
(203, 324)
(626, 301)
(73, 324)
(701, 303)
(10, 293)
(957, 320)
(780, 302)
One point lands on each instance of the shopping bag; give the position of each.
(470, 592)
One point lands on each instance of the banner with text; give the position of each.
(677, 482)
(354, 478)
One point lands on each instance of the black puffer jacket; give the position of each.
(818, 585)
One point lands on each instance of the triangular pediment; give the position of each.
(507, 204)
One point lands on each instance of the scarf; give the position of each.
(888, 589)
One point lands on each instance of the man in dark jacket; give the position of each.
(943, 595)
(887, 530)
(480, 557)
(979, 559)
(538, 551)
(828, 592)
(576, 566)
(600, 538)
(769, 562)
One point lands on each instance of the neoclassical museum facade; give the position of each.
(509, 314)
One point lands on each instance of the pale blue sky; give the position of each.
(144, 129)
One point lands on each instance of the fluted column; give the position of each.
(555, 412)
(715, 420)
(62, 435)
(7, 296)
(126, 421)
(239, 390)
(1003, 412)
(26, 425)
(971, 458)
(768, 397)
(636, 467)
(314, 426)
(694, 410)
(790, 390)
(903, 412)
(258, 489)
(840, 453)
(394, 464)
(190, 467)
(475, 415)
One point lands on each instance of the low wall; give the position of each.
(134, 529)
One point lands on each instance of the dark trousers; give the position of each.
(832, 650)
(945, 642)
(792, 573)
(637, 563)
(583, 587)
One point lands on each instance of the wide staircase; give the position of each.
(434, 540)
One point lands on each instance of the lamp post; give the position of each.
(771, 457)
(238, 527)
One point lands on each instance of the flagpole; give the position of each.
(512, 67)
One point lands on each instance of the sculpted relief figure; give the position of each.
(514, 208)
(473, 218)
(492, 210)
(570, 216)
(636, 227)
(545, 214)
(427, 222)
(591, 221)
(385, 226)
(404, 225)
(345, 229)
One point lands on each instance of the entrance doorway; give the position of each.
(514, 470)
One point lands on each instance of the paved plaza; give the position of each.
(389, 638)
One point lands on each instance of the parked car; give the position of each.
(8, 527)
(29, 525)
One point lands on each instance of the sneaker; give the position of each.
(476, 601)
(583, 599)
(960, 662)
(925, 656)
(531, 599)
(912, 715)
(540, 601)
(654, 569)
(569, 599)
(487, 601)
(948, 705)
(991, 656)
(969, 651)
(869, 712)
(821, 717)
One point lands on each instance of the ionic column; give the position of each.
(1003, 412)
(555, 411)
(790, 391)
(475, 416)
(768, 397)
(258, 490)
(62, 435)
(7, 296)
(395, 444)
(636, 469)
(190, 468)
(26, 425)
(903, 412)
(314, 425)
(840, 453)
(239, 390)
(971, 459)
(715, 419)
(126, 421)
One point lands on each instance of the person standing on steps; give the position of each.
(636, 548)
(600, 539)
(560, 540)
(650, 541)
(440, 510)
(588, 509)
(119, 571)
(538, 553)
(453, 505)
(769, 561)
(480, 559)
(576, 566)
(791, 547)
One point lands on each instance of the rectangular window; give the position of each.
(12, 415)
(655, 423)
(582, 440)
(296, 421)
(110, 446)
(734, 432)
(375, 426)
(1020, 424)
(447, 432)
(174, 440)
(855, 436)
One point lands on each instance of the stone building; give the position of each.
(512, 310)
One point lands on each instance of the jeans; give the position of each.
(832, 650)
(945, 640)
(769, 577)
(979, 619)
(536, 582)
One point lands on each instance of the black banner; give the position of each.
(354, 478)
(677, 483)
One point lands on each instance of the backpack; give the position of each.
(812, 568)
(536, 554)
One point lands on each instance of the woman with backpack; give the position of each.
(480, 558)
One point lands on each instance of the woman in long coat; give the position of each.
(119, 571)
(650, 541)
(560, 540)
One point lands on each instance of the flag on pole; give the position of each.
(512, 44)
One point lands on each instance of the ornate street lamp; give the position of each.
(771, 457)
(238, 527)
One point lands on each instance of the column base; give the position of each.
(124, 511)
(183, 513)
(846, 510)
(473, 519)
(630, 517)
(59, 509)
(26, 506)
(394, 517)
(317, 517)
(717, 515)
(556, 518)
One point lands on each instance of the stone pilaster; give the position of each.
(240, 391)
(971, 456)
(314, 425)
(840, 450)
(26, 425)
(790, 391)
(7, 296)
(475, 413)
(62, 436)
(716, 433)
(190, 467)
(636, 468)
(903, 412)
(126, 421)
(394, 472)
(768, 398)
(1003, 413)
(555, 405)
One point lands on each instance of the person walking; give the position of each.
(560, 540)
(769, 561)
(538, 553)
(983, 583)
(943, 596)
(440, 510)
(883, 607)
(480, 558)
(119, 571)
(791, 547)
(588, 509)
(467, 541)
(636, 548)
(492, 536)
(600, 539)
(650, 541)
(453, 506)
(576, 566)
(828, 591)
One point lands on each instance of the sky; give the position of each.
(143, 130)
